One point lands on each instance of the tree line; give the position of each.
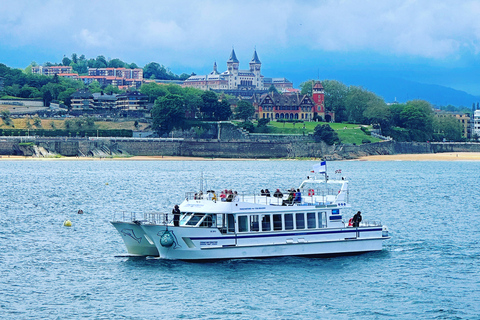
(411, 121)
(80, 65)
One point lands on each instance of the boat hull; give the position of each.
(135, 239)
(210, 244)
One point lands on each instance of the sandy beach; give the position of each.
(453, 156)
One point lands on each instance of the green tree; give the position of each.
(153, 91)
(28, 124)
(417, 116)
(74, 58)
(116, 63)
(66, 61)
(5, 115)
(90, 122)
(168, 113)
(335, 94)
(356, 103)
(111, 89)
(307, 87)
(448, 128)
(209, 106)
(65, 96)
(223, 111)
(94, 87)
(245, 110)
(68, 124)
(37, 122)
(378, 113)
(101, 62)
(325, 133)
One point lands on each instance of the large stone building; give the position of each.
(236, 81)
(275, 106)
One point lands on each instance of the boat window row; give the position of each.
(257, 222)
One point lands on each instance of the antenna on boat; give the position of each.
(201, 182)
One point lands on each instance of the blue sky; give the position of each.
(433, 42)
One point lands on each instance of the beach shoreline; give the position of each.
(448, 156)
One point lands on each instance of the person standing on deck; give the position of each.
(357, 218)
(176, 216)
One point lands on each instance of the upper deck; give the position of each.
(316, 193)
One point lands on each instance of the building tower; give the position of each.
(255, 66)
(232, 63)
(232, 69)
(318, 95)
(215, 71)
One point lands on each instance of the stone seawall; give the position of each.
(220, 149)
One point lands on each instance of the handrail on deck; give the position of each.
(308, 196)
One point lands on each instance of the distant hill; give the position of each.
(404, 90)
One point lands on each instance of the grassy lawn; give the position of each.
(348, 133)
(60, 124)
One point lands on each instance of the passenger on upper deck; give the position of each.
(267, 192)
(262, 192)
(298, 196)
(229, 196)
(222, 195)
(278, 194)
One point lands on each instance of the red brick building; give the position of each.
(276, 106)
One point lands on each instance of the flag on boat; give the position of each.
(320, 167)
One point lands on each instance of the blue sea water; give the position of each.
(430, 269)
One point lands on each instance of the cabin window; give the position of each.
(277, 222)
(230, 223)
(208, 221)
(185, 217)
(194, 220)
(254, 225)
(242, 224)
(300, 220)
(321, 222)
(266, 223)
(311, 223)
(288, 221)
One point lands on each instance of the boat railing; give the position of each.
(371, 223)
(308, 197)
(144, 217)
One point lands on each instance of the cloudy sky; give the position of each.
(434, 42)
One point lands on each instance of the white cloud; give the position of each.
(182, 29)
(94, 39)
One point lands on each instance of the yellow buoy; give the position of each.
(67, 223)
(106, 184)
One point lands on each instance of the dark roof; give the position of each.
(318, 85)
(137, 94)
(278, 99)
(233, 57)
(82, 94)
(255, 57)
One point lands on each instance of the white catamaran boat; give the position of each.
(310, 220)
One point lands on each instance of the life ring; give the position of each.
(311, 192)
(350, 222)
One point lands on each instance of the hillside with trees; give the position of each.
(411, 121)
